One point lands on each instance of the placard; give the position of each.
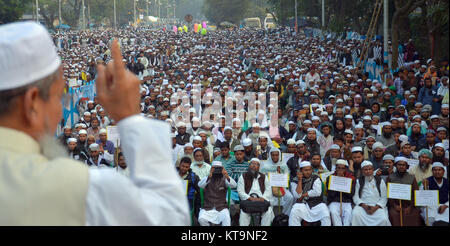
(324, 176)
(428, 198)
(412, 163)
(341, 184)
(278, 179)
(286, 156)
(73, 82)
(185, 186)
(112, 134)
(399, 191)
(445, 142)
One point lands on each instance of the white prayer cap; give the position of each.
(256, 125)
(315, 118)
(357, 149)
(438, 164)
(307, 122)
(181, 124)
(404, 143)
(367, 118)
(400, 158)
(227, 128)
(255, 160)
(87, 114)
(366, 163)
(348, 131)
(403, 138)
(238, 148)
(69, 140)
(216, 164)
(377, 145)
(291, 122)
(342, 162)
(299, 142)
(348, 117)
(67, 127)
(82, 131)
(102, 131)
(291, 141)
(305, 164)
(359, 126)
(94, 147)
(444, 105)
(439, 145)
(247, 142)
(335, 146)
(188, 145)
(83, 125)
(197, 138)
(311, 129)
(388, 157)
(27, 54)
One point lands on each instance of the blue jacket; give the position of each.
(426, 95)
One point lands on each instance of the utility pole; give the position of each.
(84, 23)
(134, 4)
(296, 22)
(60, 17)
(89, 14)
(323, 13)
(147, 10)
(115, 16)
(174, 9)
(37, 11)
(385, 31)
(159, 8)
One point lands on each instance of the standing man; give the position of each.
(67, 192)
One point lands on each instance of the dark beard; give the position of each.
(387, 135)
(252, 173)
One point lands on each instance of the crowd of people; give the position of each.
(242, 104)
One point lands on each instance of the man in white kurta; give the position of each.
(273, 164)
(370, 200)
(214, 215)
(198, 166)
(267, 217)
(59, 190)
(301, 209)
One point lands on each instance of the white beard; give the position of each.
(51, 148)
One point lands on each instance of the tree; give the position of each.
(232, 10)
(12, 10)
(402, 9)
(437, 24)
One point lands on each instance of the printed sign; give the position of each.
(428, 198)
(399, 191)
(341, 184)
(278, 179)
(112, 134)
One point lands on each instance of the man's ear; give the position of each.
(30, 106)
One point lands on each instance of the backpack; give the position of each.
(280, 220)
(361, 184)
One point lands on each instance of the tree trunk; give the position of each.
(394, 37)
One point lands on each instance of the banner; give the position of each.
(71, 100)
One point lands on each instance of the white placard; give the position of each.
(412, 163)
(399, 191)
(73, 82)
(112, 134)
(278, 179)
(445, 142)
(185, 186)
(428, 198)
(324, 176)
(341, 184)
(286, 156)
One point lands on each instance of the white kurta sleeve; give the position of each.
(232, 184)
(203, 182)
(316, 189)
(268, 190)
(241, 189)
(294, 191)
(383, 198)
(153, 195)
(356, 199)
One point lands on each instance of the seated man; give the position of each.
(438, 182)
(215, 194)
(255, 182)
(410, 214)
(99, 158)
(370, 199)
(199, 167)
(307, 190)
(341, 217)
(74, 152)
(423, 170)
(274, 165)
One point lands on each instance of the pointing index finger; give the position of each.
(117, 57)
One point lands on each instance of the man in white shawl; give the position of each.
(307, 191)
(274, 165)
(370, 199)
